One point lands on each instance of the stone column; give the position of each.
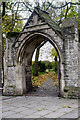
(79, 54)
(70, 32)
(9, 68)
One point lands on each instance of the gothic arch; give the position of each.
(32, 42)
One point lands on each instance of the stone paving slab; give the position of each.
(72, 114)
(39, 107)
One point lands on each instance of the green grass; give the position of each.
(41, 73)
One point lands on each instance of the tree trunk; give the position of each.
(0, 55)
(3, 13)
(55, 63)
(35, 71)
(2, 50)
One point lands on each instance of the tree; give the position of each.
(35, 70)
(7, 24)
(0, 56)
(68, 10)
(3, 12)
(61, 8)
(54, 54)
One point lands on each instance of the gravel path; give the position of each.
(46, 89)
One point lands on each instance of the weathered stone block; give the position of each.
(71, 92)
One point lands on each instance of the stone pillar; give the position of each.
(20, 79)
(12, 72)
(9, 68)
(17, 75)
(79, 70)
(70, 32)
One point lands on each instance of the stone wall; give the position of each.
(79, 66)
(71, 62)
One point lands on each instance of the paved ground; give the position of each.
(39, 107)
(42, 103)
(0, 106)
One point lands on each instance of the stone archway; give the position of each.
(24, 58)
(41, 27)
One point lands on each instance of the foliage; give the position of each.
(10, 23)
(67, 12)
(73, 13)
(41, 66)
(48, 64)
(37, 81)
(41, 73)
(18, 25)
(7, 24)
(9, 5)
(55, 66)
(12, 34)
(53, 52)
(63, 9)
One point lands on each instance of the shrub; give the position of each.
(41, 66)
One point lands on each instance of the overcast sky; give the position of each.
(45, 53)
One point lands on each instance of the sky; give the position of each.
(45, 53)
(54, 1)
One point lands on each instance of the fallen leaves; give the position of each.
(3, 104)
(37, 81)
(41, 109)
(54, 76)
(66, 106)
(69, 107)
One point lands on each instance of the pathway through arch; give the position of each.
(46, 89)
